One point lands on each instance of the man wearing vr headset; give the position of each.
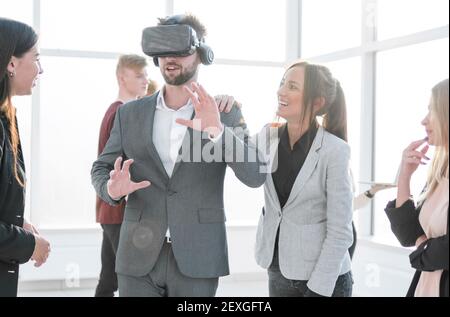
(173, 238)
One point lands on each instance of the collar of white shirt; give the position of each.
(161, 103)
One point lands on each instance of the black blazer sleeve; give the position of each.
(16, 244)
(2, 142)
(431, 255)
(405, 222)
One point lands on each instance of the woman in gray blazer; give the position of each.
(305, 229)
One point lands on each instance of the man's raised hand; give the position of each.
(207, 115)
(120, 183)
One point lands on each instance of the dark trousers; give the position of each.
(279, 286)
(107, 283)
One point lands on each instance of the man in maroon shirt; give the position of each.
(132, 80)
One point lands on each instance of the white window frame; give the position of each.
(293, 45)
(367, 51)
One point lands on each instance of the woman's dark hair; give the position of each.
(320, 83)
(16, 39)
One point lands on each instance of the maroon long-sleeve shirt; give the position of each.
(105, 213)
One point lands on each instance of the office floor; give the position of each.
(227, 288)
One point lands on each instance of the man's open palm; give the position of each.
(120, 183)
(207, 115)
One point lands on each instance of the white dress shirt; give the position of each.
(168, 135)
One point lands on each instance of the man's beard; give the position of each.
(181, 79)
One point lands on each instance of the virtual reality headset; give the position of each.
(174, 40)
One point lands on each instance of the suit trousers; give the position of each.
(166, 280)
(107, 283)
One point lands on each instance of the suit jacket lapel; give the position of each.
(187, 142)
(148, 131)
(308, 167)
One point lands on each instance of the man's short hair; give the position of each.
(188, 19)
(131, 61)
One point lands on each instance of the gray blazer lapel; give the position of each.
(274, 140)
(308, 167)
(148, 131)
(271, 191)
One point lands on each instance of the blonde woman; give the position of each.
(426, 226)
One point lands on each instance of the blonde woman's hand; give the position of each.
(412, 158)
(421, 240)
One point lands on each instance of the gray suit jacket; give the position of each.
(190, 203)
(315, 224)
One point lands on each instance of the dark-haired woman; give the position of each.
(19, 70)
(305, 229)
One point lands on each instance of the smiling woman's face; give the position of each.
(290, 94)
(26, 70)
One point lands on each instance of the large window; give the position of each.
(403, 17)
(100, 25)
(388, 54)
(21, 10)
(329, 25)
(80, 42)
(70, 119)
(242, 30)
(386, 70)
